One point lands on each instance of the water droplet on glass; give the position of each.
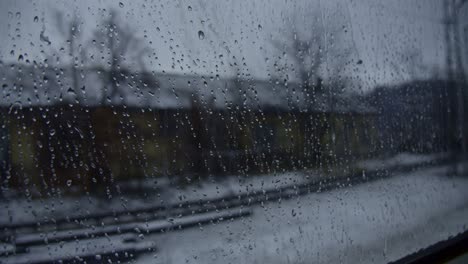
(52, 132)
(260, 27)
(201, 35)
(18, 15)
(189, 8)
(36, 19)
(71, 91)
(17, 103)
(121, 4)
(69, 183)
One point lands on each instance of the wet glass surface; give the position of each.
(231, 131)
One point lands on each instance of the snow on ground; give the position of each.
(79, 249)
(22, 210)
(33, 210)
(233, 185)
(401, 159)
(375, 222)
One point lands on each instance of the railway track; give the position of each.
(140, 221)
(202, 205)
(103, 243)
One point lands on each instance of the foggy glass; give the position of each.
(231, 131)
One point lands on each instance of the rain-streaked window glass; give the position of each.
(225, 131)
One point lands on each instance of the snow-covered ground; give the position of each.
(23, 210)
(401, 159)
(375, 222)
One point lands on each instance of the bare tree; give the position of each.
(319, 54)
(118, 47)
(239, 91)
(71, 31)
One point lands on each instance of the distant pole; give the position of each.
(461, 81)
(446, 7)
(455, 72)
(448, 38)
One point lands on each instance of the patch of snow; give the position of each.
(138, 227)
(84, 248)
(375, 222)
(22, 210)
(401, 159)
(6, 248)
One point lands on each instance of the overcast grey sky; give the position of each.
(379, 32)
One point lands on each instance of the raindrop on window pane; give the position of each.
(71, 91)
(201, 35)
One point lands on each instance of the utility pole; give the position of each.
(455, 70)
(447, 21)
